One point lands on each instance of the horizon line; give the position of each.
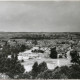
(41, 31)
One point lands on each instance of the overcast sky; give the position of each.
(40, 16)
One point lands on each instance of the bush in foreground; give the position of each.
(64, 72)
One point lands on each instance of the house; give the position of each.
(9, 56)
(24, 55)
(35, 48)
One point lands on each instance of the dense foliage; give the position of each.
(74, 56)
(36, 70)
(13, 68)
(53, 53)
(72, 72)
(64, 72)
(44, 35)
(10, 66)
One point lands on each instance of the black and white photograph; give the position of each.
(39, 39)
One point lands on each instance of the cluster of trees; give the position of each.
(13, 49)
(42, 72)
(64, 72)
(74, 56)
(11, 66)
(33, 36)
(37, 69)
(39, 36)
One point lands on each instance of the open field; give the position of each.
(51, 63)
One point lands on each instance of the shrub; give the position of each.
(22, 60)
(74, 71)
(24, 76)
(60, 56)
(47, 74)
(38, 51)
(42, 67)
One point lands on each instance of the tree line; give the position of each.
(44, 36)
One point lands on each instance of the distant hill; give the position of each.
(39, 35)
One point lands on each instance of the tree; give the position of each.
(35, 70)
(22, 48)
(6, 49)
(14, 68)
(42, 67)
(47, 74)
(53, 53)
(75, 56)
